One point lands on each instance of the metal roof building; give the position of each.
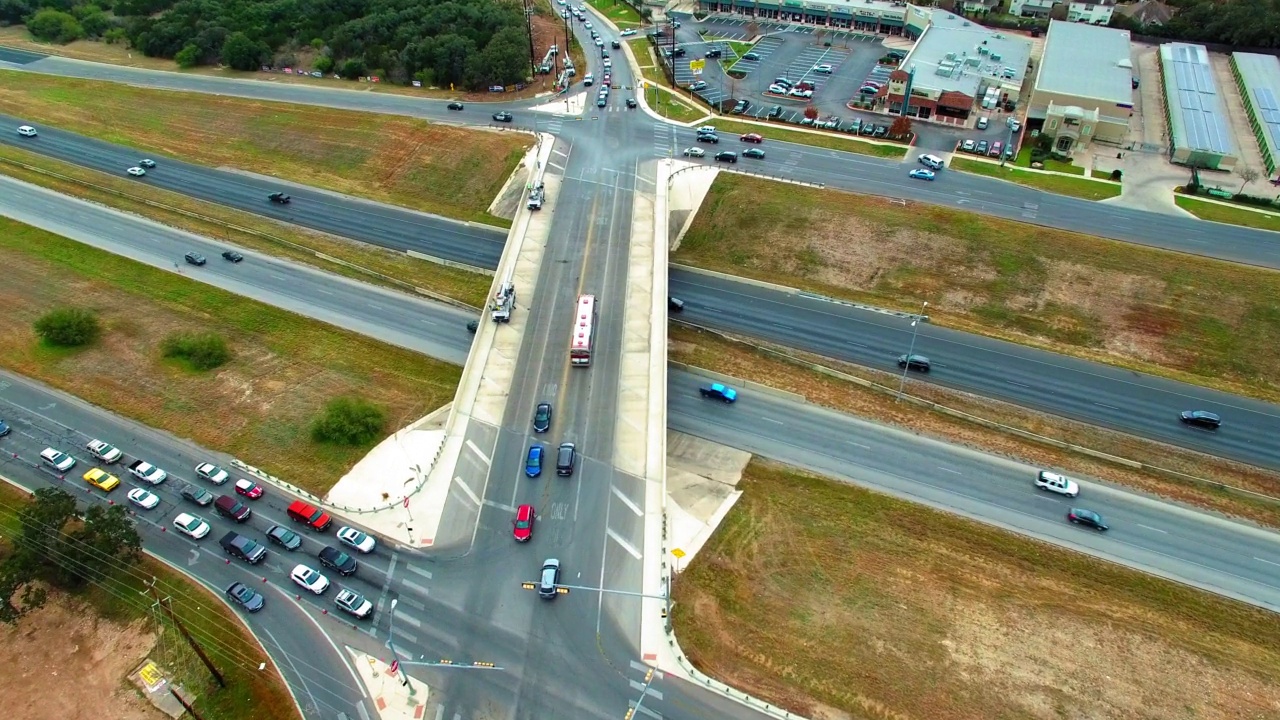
(1083, 88)
(1258, 77)
(1198, 126)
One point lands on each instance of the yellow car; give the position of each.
(102, 479)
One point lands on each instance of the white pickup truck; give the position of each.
(105, 452)
(148, 472)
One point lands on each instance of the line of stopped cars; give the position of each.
(707, 134)
(235, 507)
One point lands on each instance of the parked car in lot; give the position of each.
(919, 363)
(968, 145)
(754, 57)
(982, 123)
(996, 148)
(1088, 518)
(719, 391)
(777, 90)
(1201, 419)
(824, 69)
(775, 111)
(698, 85)
(741, 107)
(1060, 484)
(922, 174)
(982, 147)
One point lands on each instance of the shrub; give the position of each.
(202, 351)
(54, 26)
(68, 327)
(1116, 174)
(349, 421)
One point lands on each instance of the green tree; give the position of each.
(188, 57)
(352, 69)
(324, 64)
(105, 541)
(240, 52)
(54, 26)
(68, 327)
(350, 421)
(94, 21)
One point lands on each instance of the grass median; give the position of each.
(672, 107)
(792, 371)
(1193, 319)
(433, 168)
(1058, 184)
(622, 14)
(373, 264)
(115, 617)
(834, 601)
(258, 407)
(1229, 215)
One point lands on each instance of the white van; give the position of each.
(933, 162)
(1053, 482)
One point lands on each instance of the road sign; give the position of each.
(406, 502)
(395, 665)
(678, 553)
(697, 65)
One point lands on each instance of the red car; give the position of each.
(751, 138)
(251, 490)
(522, 526)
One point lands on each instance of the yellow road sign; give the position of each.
(697, 65)
(678, 553)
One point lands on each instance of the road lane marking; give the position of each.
(420, 607)
(416, 587)
(642, 710)
(957, 472)
(625, 545)
(414, 569)
(1109, 407)
(407, 637)
(500, 506)
(1019, 384)
(655, 694)
(776, 422)
(627, 501)
(1267, 561)
(407, 618)
(1156, 529)
(858, 445)
(475, 449)
(457, 480)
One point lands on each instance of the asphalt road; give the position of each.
(1093, 393)
(395, 228)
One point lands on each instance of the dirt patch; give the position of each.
(825, 598)
(390, 158)
(284, 369)
(1203, 321)
(62, 661)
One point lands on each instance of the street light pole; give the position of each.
(907, 365)
(391, 644)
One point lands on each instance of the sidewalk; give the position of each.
(393, 699)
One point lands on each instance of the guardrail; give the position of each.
(991, 424)
(269, 237)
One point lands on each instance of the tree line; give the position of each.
(465, 43)
(1241, 23)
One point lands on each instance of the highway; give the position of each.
(1143, 405)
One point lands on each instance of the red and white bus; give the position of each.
(584, 331)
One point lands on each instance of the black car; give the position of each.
(914, 362)
(195, 259)
(503, 116)
(279, 197)
(675, 304)
(245, 597)
(756, 153)
(727, 156)
(232, 256)
(199, 496)
(473, 326)
(332, 557)
(616, 45)
(714, 53)
(775, 111)
(1080, 516)
(284, 537)
(741, 107)
(631, 103)
(148, 164)
(455, 105)
(542, 418)
(708, 138)
(1201, 419)
(601, 101)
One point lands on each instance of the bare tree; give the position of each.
(753, 29)
(1248, 175)
(818, 35)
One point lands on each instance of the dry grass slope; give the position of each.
(841, 603)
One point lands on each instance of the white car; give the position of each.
(310, 579)
(608, 63)
(27, 131)
(143, 499)
(777, 90)
(695, 152)
(823, 68)
(1053, 482)
(352, 602)
(356, 539)
(707, 130)
(587, 25)
(136, 171)
(57, 459)
(212, 473)
(105, 452)
(628, 32)
(191, 525)
(599, 42)
(148, 472)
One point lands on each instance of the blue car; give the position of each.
(719, 392)
(533, 463)
(922, 174)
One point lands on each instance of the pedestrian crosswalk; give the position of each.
(664, 140)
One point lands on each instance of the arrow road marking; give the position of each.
(195, 557)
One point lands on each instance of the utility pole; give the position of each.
(167, 605)
(528, 26)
